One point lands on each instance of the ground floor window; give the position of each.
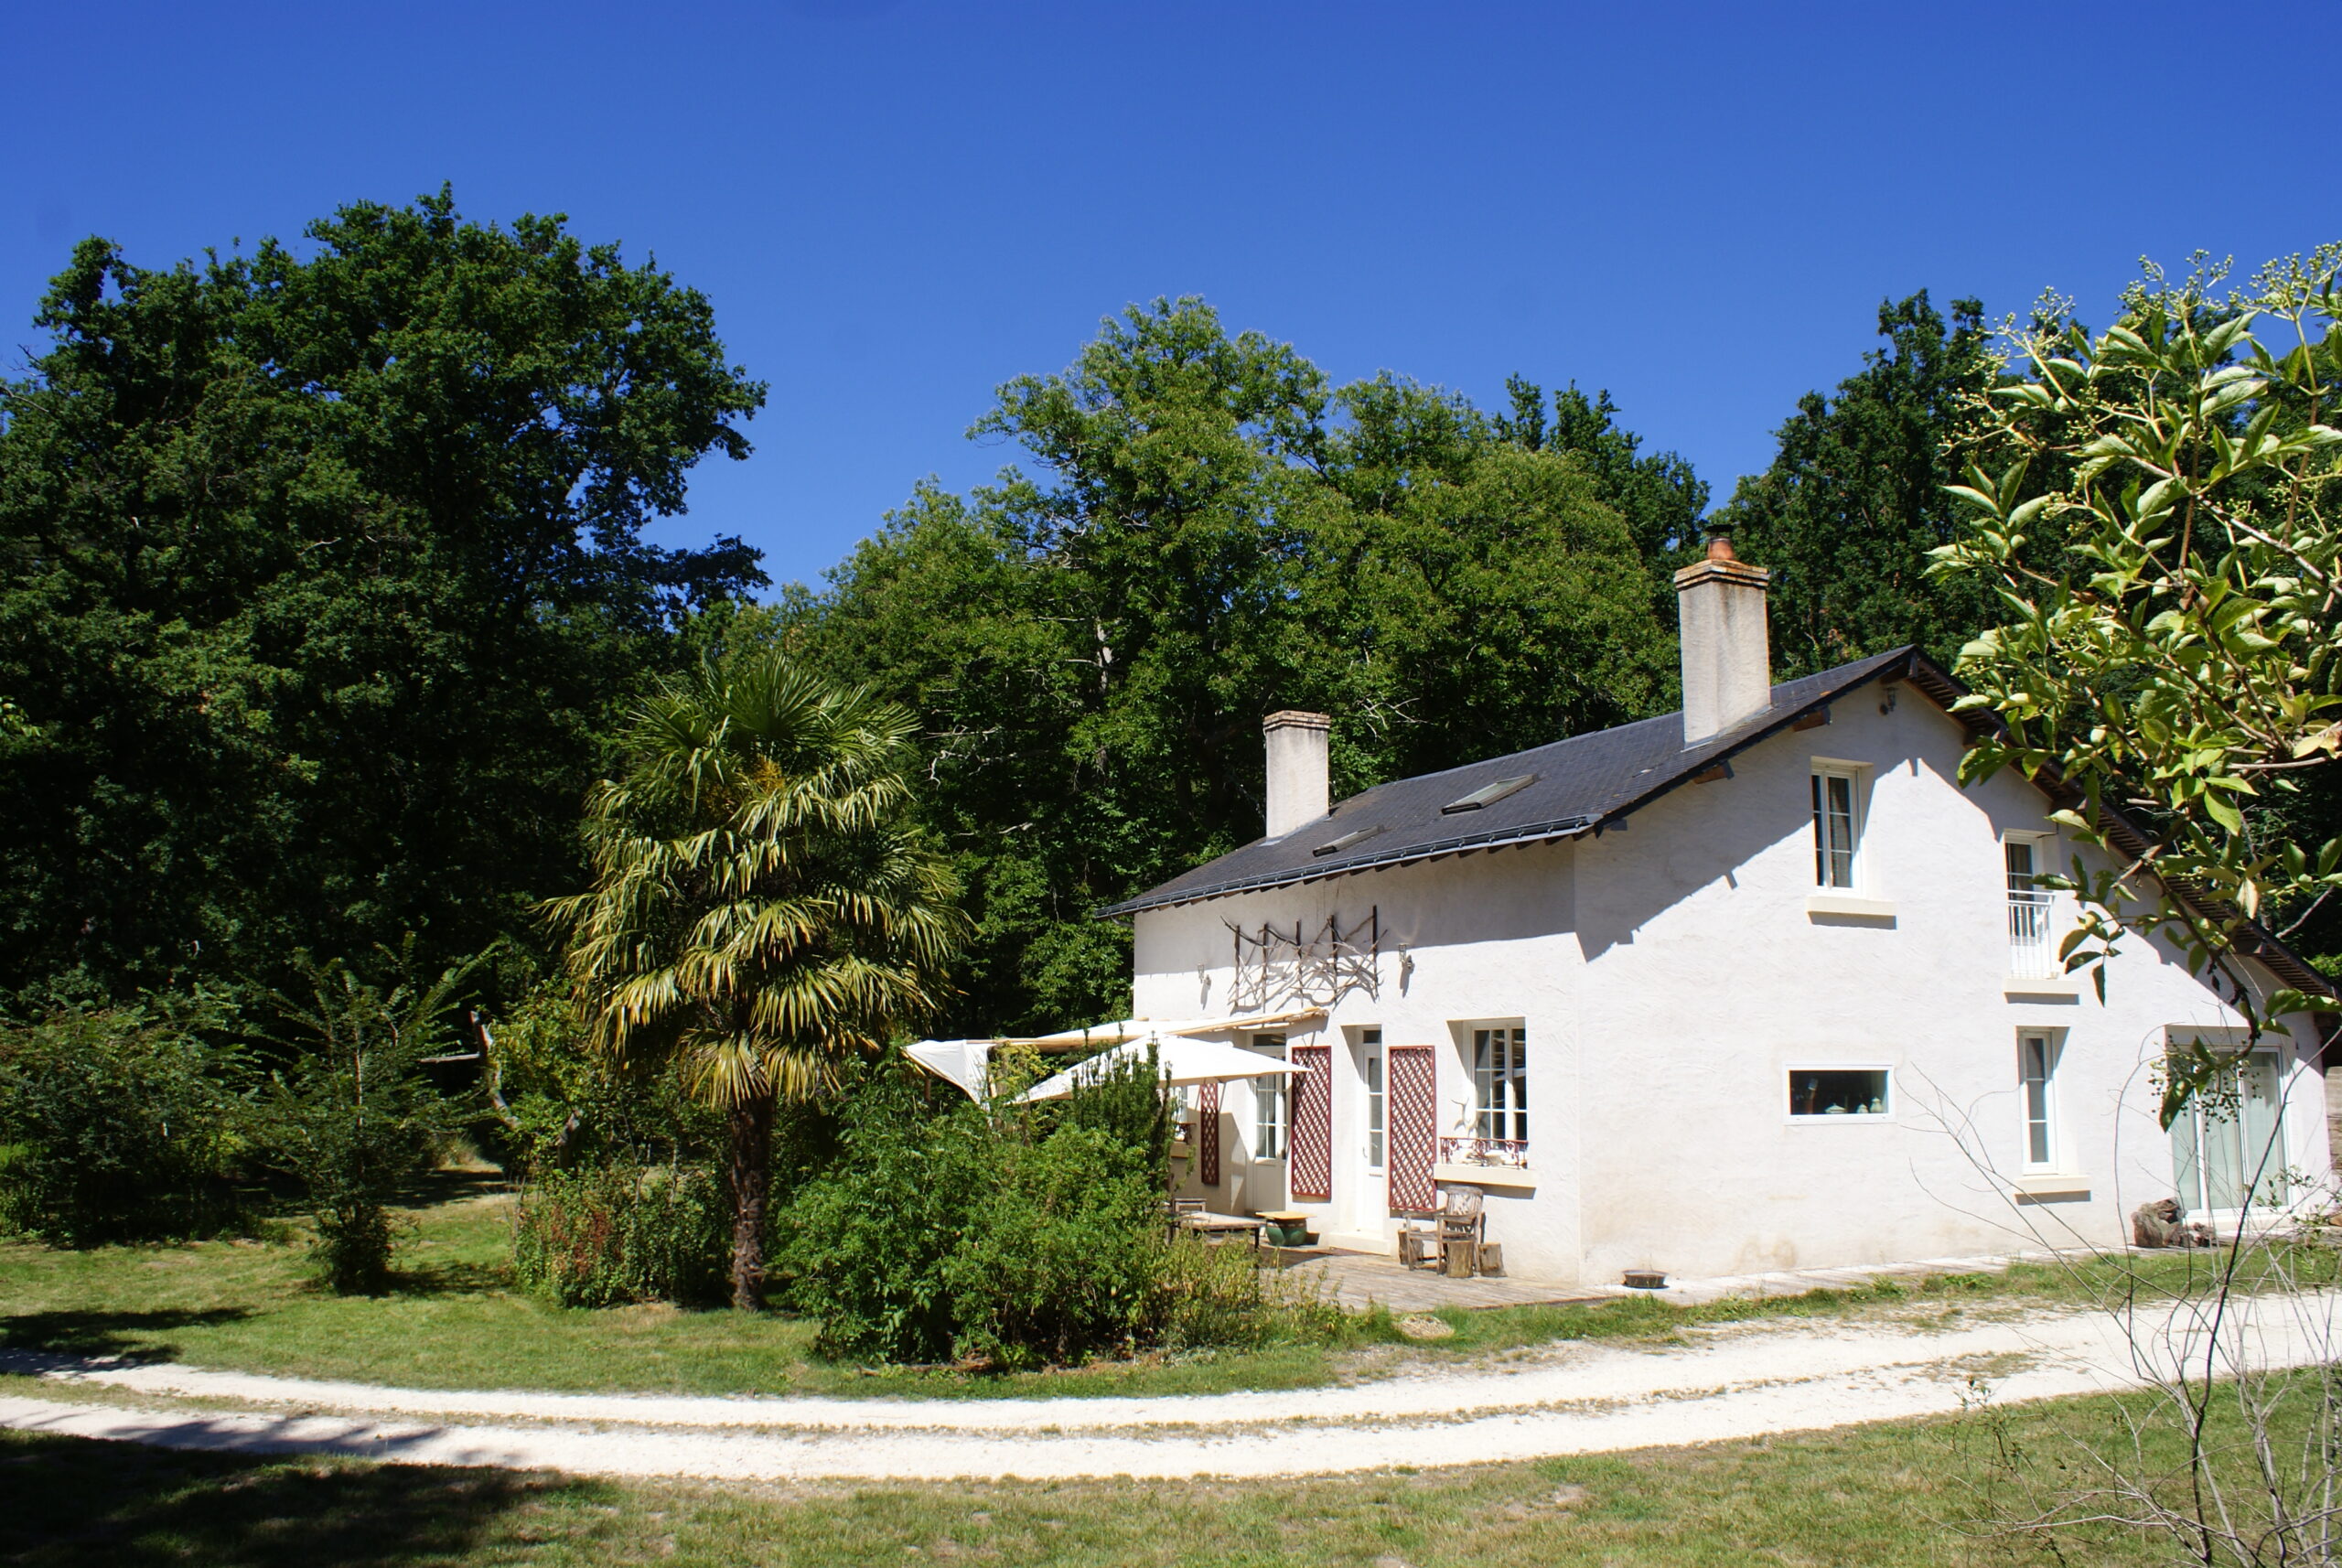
(1819, 1092)
(2228, 1148)
(1269, 1103)
(1370, 1065)
(1501, 1084)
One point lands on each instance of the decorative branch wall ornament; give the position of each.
(1285, 966)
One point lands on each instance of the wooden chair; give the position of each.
(1461, 1224)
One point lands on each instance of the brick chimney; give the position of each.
(1300, 790)
(1727, 654)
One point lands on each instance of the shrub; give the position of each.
(121, 1123)
(1061, 1256)
(609, 1235)
(862, 1248)
(1018, 1236)
(556, 1105)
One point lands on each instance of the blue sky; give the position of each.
(896, 205)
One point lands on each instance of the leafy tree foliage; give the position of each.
(1213, 533)
(1857, 498)
(321, 573)
(122, 1123)
(2185, 667)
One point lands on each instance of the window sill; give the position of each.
(2060, 987)
(2051, 1186)
(1831, 903)
(1485, 1176)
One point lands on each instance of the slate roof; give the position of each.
(1589, 780)
(1579, 784)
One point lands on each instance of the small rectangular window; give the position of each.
(1836, 826)
(1819, 1092)
(2037, 1060)
(1500, 1083)
(1370, 1065)
(1268, 1103)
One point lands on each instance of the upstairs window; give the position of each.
(2031, 954)
(1501, 1084)
(1837, 827)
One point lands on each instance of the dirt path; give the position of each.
(1580, 1398)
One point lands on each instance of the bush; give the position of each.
(1060, 1257)
(862, 1248)
(611, 1235)
(121, 1123)
(1018, 1236)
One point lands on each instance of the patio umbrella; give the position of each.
(1180, 1060)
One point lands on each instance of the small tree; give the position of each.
(761, 908)
(354, 1116)
(2189, 678)
(2183, 680)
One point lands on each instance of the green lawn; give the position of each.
(1909, 1494)
(456, 1322)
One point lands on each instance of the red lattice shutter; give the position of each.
(1207, 1135)
(1414, 1130)
(1312, 1123)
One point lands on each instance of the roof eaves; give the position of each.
(1295, 876)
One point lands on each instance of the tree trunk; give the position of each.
(748, 1173)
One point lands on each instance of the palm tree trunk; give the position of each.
(749, 1174)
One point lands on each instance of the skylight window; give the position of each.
(1488, 794)
(1355, 836)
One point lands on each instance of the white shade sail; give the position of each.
(966, 1064)
(1179, 1061)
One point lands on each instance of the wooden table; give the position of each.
(1221, 1225)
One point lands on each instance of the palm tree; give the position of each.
(760, 909)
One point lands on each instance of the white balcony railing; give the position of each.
(1511, 1152)
(2031, 955)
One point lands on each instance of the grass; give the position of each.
(456, 1321)
(1908, 1494)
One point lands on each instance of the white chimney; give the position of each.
(1300, 790)
(1727, 657)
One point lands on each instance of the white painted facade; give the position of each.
(1672, 973)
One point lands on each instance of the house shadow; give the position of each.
(126, 1335)
(66, 1502)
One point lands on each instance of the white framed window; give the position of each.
(1841, 1091)
(1837, 825)
(1370, 1069)
(2227, 1147)
(2032, 954)
(1501, 1084)
(1269, 1126)
(2036, 1052)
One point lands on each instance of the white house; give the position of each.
(1754, 986)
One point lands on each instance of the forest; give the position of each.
(324, 596)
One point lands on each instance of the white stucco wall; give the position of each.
(1670, 973)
